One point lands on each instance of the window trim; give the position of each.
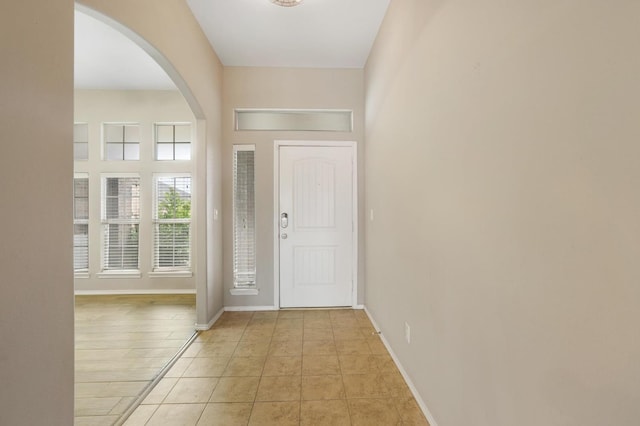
(83, 272)
(118, 273)
(175, 123)
(182, 272)
(250, 289)
(105, 143)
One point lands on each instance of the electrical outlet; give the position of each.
(407, 332)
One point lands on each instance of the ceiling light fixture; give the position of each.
(286, 3)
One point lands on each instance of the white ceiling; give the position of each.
(317, 33)
(106, 59)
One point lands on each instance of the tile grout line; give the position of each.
(147, 390)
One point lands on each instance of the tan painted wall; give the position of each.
(173, 37)
(36, 170)
(280, 88)
(145, 107)
(502, 167)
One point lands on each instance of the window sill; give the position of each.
(117, 275)
(171, 274)
(244, 291)
(81, 275)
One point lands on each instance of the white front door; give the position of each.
(316, 226)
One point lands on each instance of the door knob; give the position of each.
(283, 236)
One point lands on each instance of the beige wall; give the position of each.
(36, 170)
(172, 36)
(280, 88)
(502, 167)
(146, 108)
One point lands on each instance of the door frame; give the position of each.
(276, 212)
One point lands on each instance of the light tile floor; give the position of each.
(122, 343)
(292, 367)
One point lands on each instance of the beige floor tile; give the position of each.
(281, 334)
(179, 367)
(322, 387)
(317, 323)
(141, 415)
(95, 420)
(365, 386)
(347, 333)
(192, 350)
(95, 406)
(160, 391)
(222, 334)
(386, 365)
(319, 347)
(102, 390)
(217, 349)
(353, 347)
(289, 323)
(368, 412)
(253, 348)
(122, 406)
(176, 415)
(324, 413)
(207, 367)
(235, 389)
(410, 412)
(269, 315)
(286, 348)
(259, 334)
(245, 366)
(318, 334)
(358, 364)
(291, 314)
(313, 365)
(376, 345)
(283, 366)
(279, 388)
(312, 314)
(396, 385)
(191, 390)
(226, 414)
(275, 414)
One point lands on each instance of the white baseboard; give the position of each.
(133, 292)
(249, 308)
(204, 327)
(358, 306)
(406, 377)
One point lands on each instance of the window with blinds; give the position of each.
(244, 220)
(122, 142)
(80, 141)
(172, 223)
(121, 223)
(173, 141)
(81, 223)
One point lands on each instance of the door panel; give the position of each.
(316, 239)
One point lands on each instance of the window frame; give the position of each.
(174, 142)
(104, 222)
(81, 272)
(78, 142)
(181, 271)
(238, 287)
(124, 143)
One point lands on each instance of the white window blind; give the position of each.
(81, 223)
(172, 223)
(173, 141)
(121, 222)
(244, 221)
(122, 142)
(80, 141)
